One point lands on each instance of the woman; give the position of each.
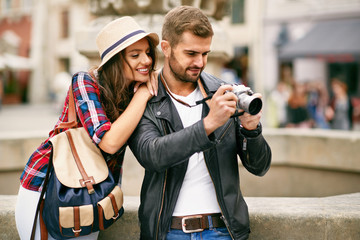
(110, 101)
(339, 112)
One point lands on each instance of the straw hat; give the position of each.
(119, 34)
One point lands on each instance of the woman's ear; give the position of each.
(166, 48)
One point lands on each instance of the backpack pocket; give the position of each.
(76, 221)
(110, 208)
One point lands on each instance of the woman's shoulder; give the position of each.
(84, 81)
(84, 78)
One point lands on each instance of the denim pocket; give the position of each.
(222, 231)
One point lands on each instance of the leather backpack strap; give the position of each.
(43, 230)
(72, 120)
(39, 208)
(71, 110)
(86, 181)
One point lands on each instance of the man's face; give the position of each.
(189, 57)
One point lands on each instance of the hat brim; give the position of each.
(153, 36)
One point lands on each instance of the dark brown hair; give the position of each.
(182, 19)
(115, 94)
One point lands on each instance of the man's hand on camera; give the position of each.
(222, 107)
(248, 121)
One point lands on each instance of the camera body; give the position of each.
(246, 101)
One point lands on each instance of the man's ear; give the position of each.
(165, 47)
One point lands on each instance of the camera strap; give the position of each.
(202, 101)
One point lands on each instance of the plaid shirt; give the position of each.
(90, 114)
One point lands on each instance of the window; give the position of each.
(237, 11)
(64, 65)
(64, 28)
(6, 6)
(27, 4)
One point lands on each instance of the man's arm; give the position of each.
(253, 149)
(158, 153)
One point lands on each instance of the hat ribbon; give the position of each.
(121, 41)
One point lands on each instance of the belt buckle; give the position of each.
(183, 224)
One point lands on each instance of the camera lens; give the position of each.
(249, 104)
(255, 106)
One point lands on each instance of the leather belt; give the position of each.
(196, 223)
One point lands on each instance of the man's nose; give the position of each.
(200, 61)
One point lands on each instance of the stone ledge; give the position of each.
(316, 148)
(336, 217)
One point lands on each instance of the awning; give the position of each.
(336, 38)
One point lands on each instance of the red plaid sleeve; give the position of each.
(92, 117)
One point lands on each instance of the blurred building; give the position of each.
(15, 66)
(61, 35)
(312, 40)
(319, 40)
(258, 40)
(55, 23)
(41, 34)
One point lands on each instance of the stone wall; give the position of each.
(305, 163)
(329, 218)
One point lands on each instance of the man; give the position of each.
(189, 148)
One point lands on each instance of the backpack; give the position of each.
(81, 195)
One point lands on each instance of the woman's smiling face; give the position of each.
(139, 61)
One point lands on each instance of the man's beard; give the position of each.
(180, 73)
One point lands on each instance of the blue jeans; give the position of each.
(208, 234)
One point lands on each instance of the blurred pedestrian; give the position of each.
(339, 111)
(297, 113)
(277, 116)
(232, 70)
(317, 102)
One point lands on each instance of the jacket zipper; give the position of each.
(244, 148)
(224, 132)
(222, 217)
(163, 192)
(161, 207)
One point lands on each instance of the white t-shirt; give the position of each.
(197, 194)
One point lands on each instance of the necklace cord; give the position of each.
(202, 101)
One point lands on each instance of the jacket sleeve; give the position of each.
(158, 153)
(254, 151)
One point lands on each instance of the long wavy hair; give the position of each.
(115, 92)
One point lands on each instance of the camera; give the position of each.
(246, 101)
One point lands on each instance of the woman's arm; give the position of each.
(126, 123)
(109, 137)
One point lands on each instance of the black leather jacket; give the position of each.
(163, 147)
